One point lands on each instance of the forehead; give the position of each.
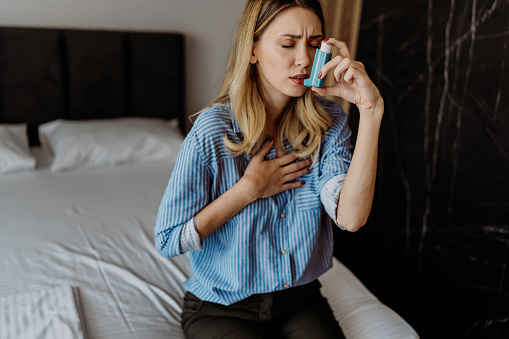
(296, 20)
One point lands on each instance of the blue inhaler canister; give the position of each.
(322, 56)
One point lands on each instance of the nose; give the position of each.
(304, 56)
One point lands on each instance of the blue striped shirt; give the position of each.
(272, 244)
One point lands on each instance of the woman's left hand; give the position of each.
(352, 81)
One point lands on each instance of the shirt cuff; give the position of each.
(189, 237)
(330, 195)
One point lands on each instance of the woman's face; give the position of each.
(284, 54)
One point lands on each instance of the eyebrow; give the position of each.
(294, 36)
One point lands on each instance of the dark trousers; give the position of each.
(298, 312)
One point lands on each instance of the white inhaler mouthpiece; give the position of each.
(322, 56)
(326, 47)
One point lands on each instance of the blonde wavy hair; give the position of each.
(303, 122)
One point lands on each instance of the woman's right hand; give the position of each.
(262, 179)
(265, 178)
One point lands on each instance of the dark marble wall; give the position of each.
(436, 247)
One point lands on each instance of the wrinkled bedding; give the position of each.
(92, 230)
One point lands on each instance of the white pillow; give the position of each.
(110, 142)
(14, 150)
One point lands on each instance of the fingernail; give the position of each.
(336, 80)
(320, 75)
(309, 169)
(325, 40)
(302, 183)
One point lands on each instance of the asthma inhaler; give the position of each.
(322, 56)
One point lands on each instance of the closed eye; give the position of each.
(291, 46)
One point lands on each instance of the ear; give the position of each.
(254, 59)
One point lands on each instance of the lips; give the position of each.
(300, 77)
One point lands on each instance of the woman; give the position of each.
(256, 174)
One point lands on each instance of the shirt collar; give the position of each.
(236, 129)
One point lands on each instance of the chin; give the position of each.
(297, 92)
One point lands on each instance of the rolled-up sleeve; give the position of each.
(186, 194)
(330, 195)
(189, 238)
(336, 155)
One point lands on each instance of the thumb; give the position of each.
(321, 91)
(341, 89)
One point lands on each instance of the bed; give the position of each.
(90, 126)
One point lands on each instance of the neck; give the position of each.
(274, 110)
(273, 116)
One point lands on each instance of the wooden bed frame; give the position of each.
(48, 74)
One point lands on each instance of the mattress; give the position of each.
(91, 231)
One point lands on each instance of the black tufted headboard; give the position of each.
(46, 74)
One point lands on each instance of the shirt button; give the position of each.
(286, 285)
(283, 251)
(282, 215)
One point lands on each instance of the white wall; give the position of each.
(208, 27)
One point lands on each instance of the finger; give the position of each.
(345, 66)
(350, 76)
(286, 159)
(341, 46)
(294, 175)
(343, 53)
(329, 66)
(262, 152)
(292, 185)
(359, 77)
(279, 150)
(340, 65)
(298, 166)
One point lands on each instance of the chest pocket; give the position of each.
(307, 197)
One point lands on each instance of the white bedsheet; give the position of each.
(93, 229)
(53, 313)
